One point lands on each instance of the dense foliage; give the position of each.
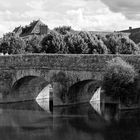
(33, 45)
(52, 43)
(63, 30)
(65, 40)
(119, 79)
(135, 37)
(12, 44)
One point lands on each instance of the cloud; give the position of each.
(14, 5)
(103, 15)
(129, 8)
(99, 20)
(36, 5)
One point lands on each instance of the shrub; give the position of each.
(119, 79)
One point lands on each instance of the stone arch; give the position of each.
(63, 80)
(43, 87)
(27, 88)
(82, 91)
(25, 72)
(23, 79)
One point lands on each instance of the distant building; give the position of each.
(131, 30)
(134, 34)
(34, 28)
(18, 30)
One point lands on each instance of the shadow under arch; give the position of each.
(82, 91)
(27, 88)
(24, 79)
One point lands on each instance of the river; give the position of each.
(29, 121)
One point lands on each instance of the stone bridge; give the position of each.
(61, 71)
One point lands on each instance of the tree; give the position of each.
(33, 45)
(75, 44)
(12, 44)
(95, 44)
(63, 30)
(53, 43)
(135, 37)
(127, 46)
(120, 44)
(111, 42)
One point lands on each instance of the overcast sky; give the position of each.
(99, 15)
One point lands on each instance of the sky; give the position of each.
(95, 15)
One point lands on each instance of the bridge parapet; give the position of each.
(76, 62)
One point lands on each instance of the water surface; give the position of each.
(28, 120)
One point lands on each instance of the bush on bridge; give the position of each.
(119, 79)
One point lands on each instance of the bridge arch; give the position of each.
(27, 87)
(34, 88)
(22, 80)
(82, 91)
(18, 74)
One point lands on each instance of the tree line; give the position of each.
(64, 40)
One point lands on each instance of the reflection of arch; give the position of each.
(45, 98)
(85, 125)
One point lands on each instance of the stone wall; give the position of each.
(73, 62)
(62, 71)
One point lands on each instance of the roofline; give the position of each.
(129, 30)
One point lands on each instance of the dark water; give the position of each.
(28, 121)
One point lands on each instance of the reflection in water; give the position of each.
(25, 120)
(83, 122)
(108, 111)
(45, 99)
(31, 121)
(97, 106)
